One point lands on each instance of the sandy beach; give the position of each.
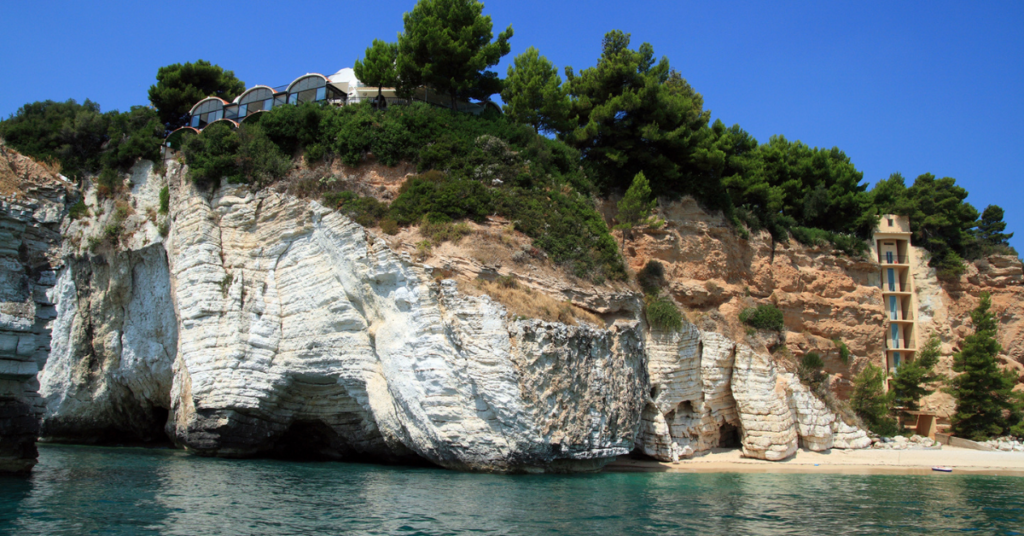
(867, 461)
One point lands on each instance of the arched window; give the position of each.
(256, 99)
(207, 111)
(311, 87)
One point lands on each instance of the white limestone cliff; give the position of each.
(264, 324)
(708, 392)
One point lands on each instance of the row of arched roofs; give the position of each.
(310, 87)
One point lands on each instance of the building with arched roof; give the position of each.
(339, 89)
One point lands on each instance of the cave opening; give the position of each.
(308, 440)
(729, 437)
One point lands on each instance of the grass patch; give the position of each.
(524, 303)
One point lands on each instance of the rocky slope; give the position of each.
(249, 323)
(824, 295)
(32, 203)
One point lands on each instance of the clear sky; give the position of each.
(909, 87)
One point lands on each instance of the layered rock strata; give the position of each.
(708, 392)
(274, 326)
(32, 203)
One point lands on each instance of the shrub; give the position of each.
(165, 200)
(765, 316)
(811, 360)
(108, 183)
(844, 351)
(389, 226)
(443, 231)
(663, 314)
(506, 281)
(365, 211)
(78, 210)
(810, 370)
(652, 277)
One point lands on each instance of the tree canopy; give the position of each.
(637, 114)
(533, 93)
(939, 217)
(180, 86)
(446, 45)
(81, 138)
(379, 67)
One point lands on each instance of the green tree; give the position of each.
(939, 218)
(134, 134)
(533, 93)
(447, 46)
(816, 187)
(986, 405)
(181, 86)
(989, 236)
(379, 67)
(871, 403)
(637, 114)
(636, 205)
(910, 382)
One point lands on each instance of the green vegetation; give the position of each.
(662, 313)
(986, 404)
(534, 95)
(78, 210)
(652, 277)
(81, 138)
(447, 46)
(871, 403)
(811, 371)
(471, 167)
(379, 67)
(844, 351)
(179, 87)
(765, 316)
(635, 207)
(910, 382)
(165, 200)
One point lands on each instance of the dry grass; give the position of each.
(523, 302)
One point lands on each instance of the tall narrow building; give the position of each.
(892, 244)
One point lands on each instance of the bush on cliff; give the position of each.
(662, 313)
(765, 316)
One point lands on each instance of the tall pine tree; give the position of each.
(986, 405)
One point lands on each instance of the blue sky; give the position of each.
(910, 87)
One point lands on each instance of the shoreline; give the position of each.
(844, 462)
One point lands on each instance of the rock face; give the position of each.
(708, 392)
(273, 326)
(255, 323)
(32, 203)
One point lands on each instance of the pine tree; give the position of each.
(379, 67)
(986, 405)
(533, 93)
(989, 236)
(635, 206)
(910, 383)
(447, 46)
(871, 403)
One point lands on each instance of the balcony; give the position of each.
(893, 259)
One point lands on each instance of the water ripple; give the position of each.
(83, 490)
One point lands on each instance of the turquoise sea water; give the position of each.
(88, 490)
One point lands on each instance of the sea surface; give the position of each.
(91, 490)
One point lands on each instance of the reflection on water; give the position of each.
(76, 490)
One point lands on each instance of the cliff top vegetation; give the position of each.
(630, 113)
